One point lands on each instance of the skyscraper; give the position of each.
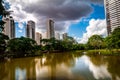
(30, 30)
(112, 9)
(57, 36)
(9, 27)
(50, 29)
(38, 37)
(65, 36)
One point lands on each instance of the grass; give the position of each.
(101, 51)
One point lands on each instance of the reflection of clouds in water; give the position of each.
(98, 71)
(64, 71)
(41, 71)
(117, 78)
(47, 71)
(20, 74)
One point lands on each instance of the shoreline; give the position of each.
(106, 52)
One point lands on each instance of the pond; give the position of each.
(62, 66)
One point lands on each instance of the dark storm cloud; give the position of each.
(59, 26)
(61, 10)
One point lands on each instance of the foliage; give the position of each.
(95, 42)
(3, 12)
(60, 45)
(21, 45)
(1, 7)
(113, 41)
(3, 45)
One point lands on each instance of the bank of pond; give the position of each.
(113, 52)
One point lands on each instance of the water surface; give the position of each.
(64, 66)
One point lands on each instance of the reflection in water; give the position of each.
(99, 72)
(64, 66)
(20, 74)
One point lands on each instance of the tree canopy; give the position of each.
(113, 41)
(21, 45)
(95, 41)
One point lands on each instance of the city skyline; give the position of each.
(80, 18)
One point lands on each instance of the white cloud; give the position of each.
(97, 26)
(21, 26)
(64, 12)
(40, 10)
(20, 31)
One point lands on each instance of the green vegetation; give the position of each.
(28, 47)
(96, 42)
(25, 46)
(3, 12)
(3, 43)
(21, 46)
(113, 41)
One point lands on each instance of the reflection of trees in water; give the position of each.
(58, 58)
(54, 59)
(98, 60)
(114, 66)
(3, 72)
(8, 69)
(59, 64)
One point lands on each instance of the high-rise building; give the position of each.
(30, 30)
(38, 37)
(9, 27)
(65, 36)
(112, 9)
(50, 29)
(57, 36)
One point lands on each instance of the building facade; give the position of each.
(30, 29)
(57, 36)
(112, 9)
(50, 29)
(9, 27)
(65, 36)
(38, 37)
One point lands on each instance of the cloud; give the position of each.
(63, 12)
(97, 26)
(97, 1)
(21, 25)
(20, 31)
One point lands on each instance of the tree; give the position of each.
(113, 41)
(3, 40)
(116, 37)
(21, 46)
(2, 9)
(95, 41)
(3, 12)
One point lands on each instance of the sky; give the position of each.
(79, 18)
